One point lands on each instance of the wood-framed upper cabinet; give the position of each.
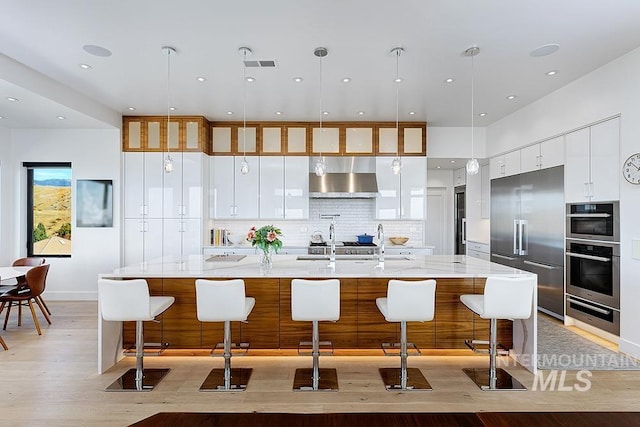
(150, 133)
(279, 139)
(359, 140)
(297, 140)
(410, 139)
(247, 139)
(326, 140)
(229, 138)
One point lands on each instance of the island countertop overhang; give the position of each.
(287, 266)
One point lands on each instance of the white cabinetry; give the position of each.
(485, 190)
(505, 165)
(402, 196)
(478, 250)
(284, 187)
(408, 250)
(233, 195)
(592, 162)
(543, 155)
(459, 177)
(160, 208)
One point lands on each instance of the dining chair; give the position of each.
(35, 282)
(28, 262)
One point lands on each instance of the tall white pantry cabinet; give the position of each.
(162, 212)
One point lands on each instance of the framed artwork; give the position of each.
(94, 203)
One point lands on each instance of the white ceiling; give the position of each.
(48, 37)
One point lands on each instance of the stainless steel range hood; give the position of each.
(346, 178)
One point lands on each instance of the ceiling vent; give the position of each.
(263, 63)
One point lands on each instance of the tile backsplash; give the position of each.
(356, 216)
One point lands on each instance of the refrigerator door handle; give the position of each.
(464, 231)
(508, 258)
(516, 250)
(523, 232)
(535, 264)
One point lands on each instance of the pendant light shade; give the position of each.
(396, 164)
(472, 164)
(320, 167)
(168, 161)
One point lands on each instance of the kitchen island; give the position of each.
(361, 326)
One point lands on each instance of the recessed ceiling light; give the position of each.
(61, 117)
(251, 79)
(412, 113)
(361, 113)
(229, 113)
(94, 50)
(86, 66)
(511, 97)
(449, 80)
(172, 108)
(1, 117)
(551, 73)
(437, 167)
(132, 108)
(482, 114)
(12, 99)
(326, 113)
(545, 50)
(453, 161)
(201, 79)
(346, 80)
(278, 113)
(398, 80)
(298, 79)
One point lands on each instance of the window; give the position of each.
(48, 209)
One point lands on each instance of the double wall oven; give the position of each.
(593, 264)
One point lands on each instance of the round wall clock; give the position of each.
(631, 169)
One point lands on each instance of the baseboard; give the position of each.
(630, 348)
(71, 295)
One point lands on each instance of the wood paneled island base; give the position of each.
(361, 326)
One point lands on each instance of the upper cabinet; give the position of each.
(233, 195)
(459, 176)
(592, 161)
(402, 196)
(307, 138)
(284, 187)
(505, 165)
(543, 155)
(151, 133)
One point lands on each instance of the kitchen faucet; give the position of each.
(381, 253)
(332, 237)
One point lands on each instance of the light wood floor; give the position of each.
(52, 380)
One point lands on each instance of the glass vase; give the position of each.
(266, 257)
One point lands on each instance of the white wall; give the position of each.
(610, 90)
(94, 154)
(444, 142)
(5, 189)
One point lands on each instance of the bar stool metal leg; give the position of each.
(139, 379)
(403, 378)
(227, 379)
(316, 379)
(493, 378)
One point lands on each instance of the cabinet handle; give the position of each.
(182, 209)
(591, 189)
(537, 161)
(144, 226)
(540, 162)
(586, 190)
(182, 227)
(589, 306)
(144, 209)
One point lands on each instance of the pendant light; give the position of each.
(244, 164)
(168, 161)
(396, 164)
(320, 167)
(472, 164)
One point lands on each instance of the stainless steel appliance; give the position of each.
(600, 316)
(593, 221)
(343, 248)
(346, 177)
(527, 230)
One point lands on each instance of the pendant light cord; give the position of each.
(398, 52)
(168, 99)
(244, 107)
(321, 134)
(472, 109)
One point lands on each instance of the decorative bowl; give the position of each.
(398, 240)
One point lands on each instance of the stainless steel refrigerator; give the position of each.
(527, 230)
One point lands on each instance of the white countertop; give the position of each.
(436, 266)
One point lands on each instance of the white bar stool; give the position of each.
(224, 301)
(129, 300)
(503, 298)
(406, 301)
(314, 301)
